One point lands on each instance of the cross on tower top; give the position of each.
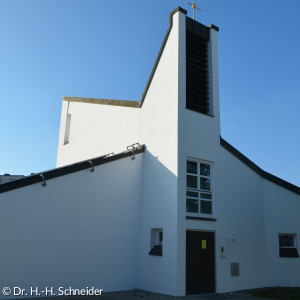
(194, 7)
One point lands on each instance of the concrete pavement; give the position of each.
(142, 295)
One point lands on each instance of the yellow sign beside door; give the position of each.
(203, 244)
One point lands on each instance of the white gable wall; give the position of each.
(96, 130)
(282, 209)
(240, 215)
(81, 230)
(158, 131)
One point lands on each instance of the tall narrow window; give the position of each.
(199, 199)
(156, 243)
(67, 129)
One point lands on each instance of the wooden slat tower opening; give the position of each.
(197, 74)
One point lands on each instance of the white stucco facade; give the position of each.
(281, 216)
(69, 233)
(95, 130)
(94, 228)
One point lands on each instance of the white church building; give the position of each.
(147, 195)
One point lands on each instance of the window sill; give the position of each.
(156, 251)
(288, 252)
(201, 219)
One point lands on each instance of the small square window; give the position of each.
(287, 245)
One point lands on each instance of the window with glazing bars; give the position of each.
(199, 198)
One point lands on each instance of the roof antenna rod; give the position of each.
(194, 6)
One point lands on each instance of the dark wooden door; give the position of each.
(200, 262)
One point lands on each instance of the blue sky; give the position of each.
(106, 49)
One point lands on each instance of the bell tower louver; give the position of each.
(197, 67)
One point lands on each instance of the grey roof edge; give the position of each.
(285, 184)
(61, 171)
(126, 103)
(212, 26)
